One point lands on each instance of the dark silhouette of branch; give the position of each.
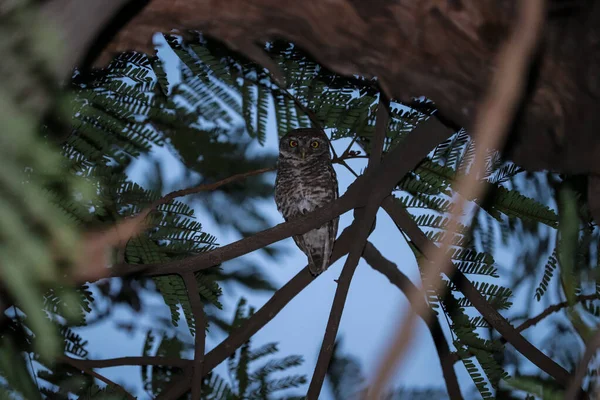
(494, 118)
(544, 314)
(265, 314)
(92, 266)
(365, 219)
(120, 361)
(207, 187)
(333, 324)
(78, 365)
(574, 387)
(199, 341)
(552, 309)
(379, 263)
(403, 159)
(404, 222)
(379, 180)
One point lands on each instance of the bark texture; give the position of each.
(442, 49)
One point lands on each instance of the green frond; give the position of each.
(74, 343)
(263, 351)
(478, 379)
(515, 205)
(264, 103)
(549, 269)
(496, 295)
(277, 365)
(216, 388)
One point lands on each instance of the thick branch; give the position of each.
(266, 313)
(379, 180)
(404, 222)
(544, 314)
(379, 263)
(495, 116)
(197, 309)
(552, 309)
(77, 364)
(365, 219)
(140, 361)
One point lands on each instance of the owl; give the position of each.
(305, 181)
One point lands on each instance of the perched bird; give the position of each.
(305, 181)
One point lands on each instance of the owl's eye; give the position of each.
(315, 144)
(293, 143)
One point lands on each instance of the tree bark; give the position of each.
(441, 49)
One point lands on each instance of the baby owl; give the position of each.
(305, 181)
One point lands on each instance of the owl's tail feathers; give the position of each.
(317, 263)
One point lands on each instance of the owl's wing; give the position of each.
(299, 239)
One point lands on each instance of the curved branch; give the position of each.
(266, 313)
(379, 263)
(138, 361)
(401, 160)
(404, 222)
(77, 364)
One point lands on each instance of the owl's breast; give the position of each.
(300, 192)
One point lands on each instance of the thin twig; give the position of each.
(574, 387)
(490, 128)
(365, 219)
(203, 188)
(552, 309)
(199, 320)
(79, 366)
(379, 263)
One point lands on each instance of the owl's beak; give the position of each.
(303, 153)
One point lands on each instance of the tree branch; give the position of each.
(380, 180)
(78, 365)
(552, 309)
(265, 314)
(379, 263)
(197, 309)
(365, 219)
(547, 312)
(496, 114)
(404, 222)
(121, 361)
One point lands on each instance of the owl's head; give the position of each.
(304, 144)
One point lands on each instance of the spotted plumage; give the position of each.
(305, 181)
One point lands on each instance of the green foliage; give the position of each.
(209, 118)
(549, 269)
(36, 238)
(247, 381)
